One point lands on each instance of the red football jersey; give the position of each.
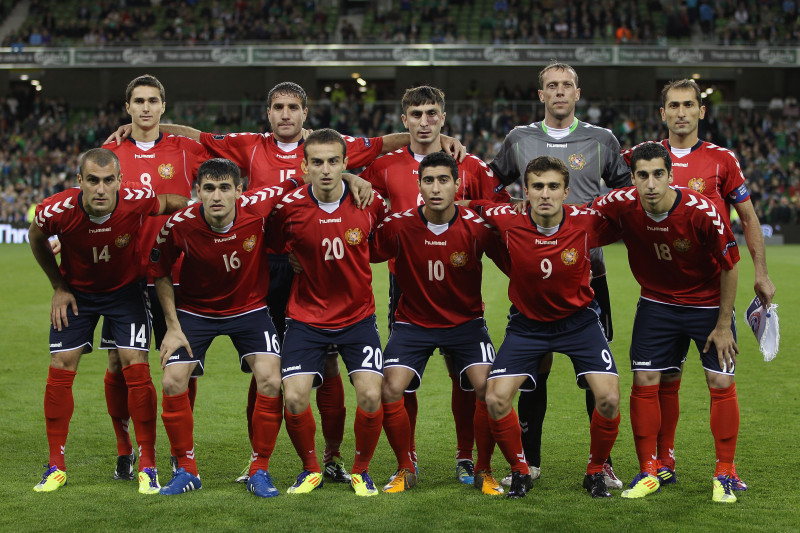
(169, 167)
(97, 256)
(677, 260)
(260, 158)
(335, 288)
(222, 274)
(395, 175)
(439, 275)
(549, 275)
(710, 170)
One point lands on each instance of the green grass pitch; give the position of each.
(767, 457)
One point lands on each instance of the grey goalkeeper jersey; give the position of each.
(591, 153)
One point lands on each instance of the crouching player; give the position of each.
(684, 256)
(331, 302)
(223, 291)
(97, 225)
(437, 249)
(549, 257)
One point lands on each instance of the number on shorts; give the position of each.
(368, 363)
(103, 255)
(435, 270)
(232, 262)
(662, 251)
(547, 268)
(272, 342)
(607, 359)
(487, 352)
(334, 249)
(139, 338)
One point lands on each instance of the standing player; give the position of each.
(97, 225)
(437, 249)
(714, 172)
(395, 176)
(549, 257)
(167, 164)
(593, 157)
(331, 302)
(223, 292)
(683, 254)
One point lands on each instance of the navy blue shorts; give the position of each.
(280, 284)
(411, 346)
(662, 334)
(251, 333)
(305, 348)
(579, 336)
(157, 321)
(124, 310)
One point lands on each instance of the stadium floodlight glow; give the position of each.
(39, 88)
(362, 89)
(24, 77)
(35, 83)
(710, 90)
(327, 89)
(355, 75)
(362, 82)
(696, 76)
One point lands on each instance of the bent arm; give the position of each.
(178, 129)
(169, 203)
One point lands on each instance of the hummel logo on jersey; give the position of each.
(682, 165)
(556, 145)
(651, 228)
(225, 239)
(435, 243)
(542, 241)
(144, 156)
(330, 220)
(287, 156)
(99, 230)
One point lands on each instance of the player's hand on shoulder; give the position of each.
(305, 133)
(361, 189)
(520, 204)
(722, 338)
(453, 146)
(62, 299)
(122, 133)
(173, 339)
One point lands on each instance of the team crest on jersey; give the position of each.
(166, 171)
(569, 257)
(458, 259)
(123, 240)
(682, 245)
(354, 236)
(697, 184)
(249, 243)
(577, 161)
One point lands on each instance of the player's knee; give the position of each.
(369, 400)
(497, 405)
(114, 364)
(173, 384)
(269, 385)
(607, 402)
(295, 401)
(391, 391)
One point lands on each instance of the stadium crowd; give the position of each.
(199, 22)
(40, 140)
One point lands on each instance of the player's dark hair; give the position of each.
(422, 95)
(439, 159)
(288, 88)
(219, 169)
(101, 157)
(555, 65)
(649, 151)
(681, 84)
(324, 136)
(544, 163)
(145, 80)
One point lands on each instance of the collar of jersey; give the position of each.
(426, 221)
(571, 128)
(345, 193)
(536, 227)
(80, 203)
(158, 139)
(695, 147)
(235, 216)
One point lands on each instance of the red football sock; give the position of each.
(267, 418)
(724, 427)
(192, 391)
(604, 434)
(411, 405)
(670, 411)
(368, 430)
(117, 404)
(332, 413)
(645, 421)
(142, 403)
(179, 423)
(58, 408)
(508, 436)
(462, 404)
(396, 427)
(302, 430)
(484, 440)
(251, 406)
